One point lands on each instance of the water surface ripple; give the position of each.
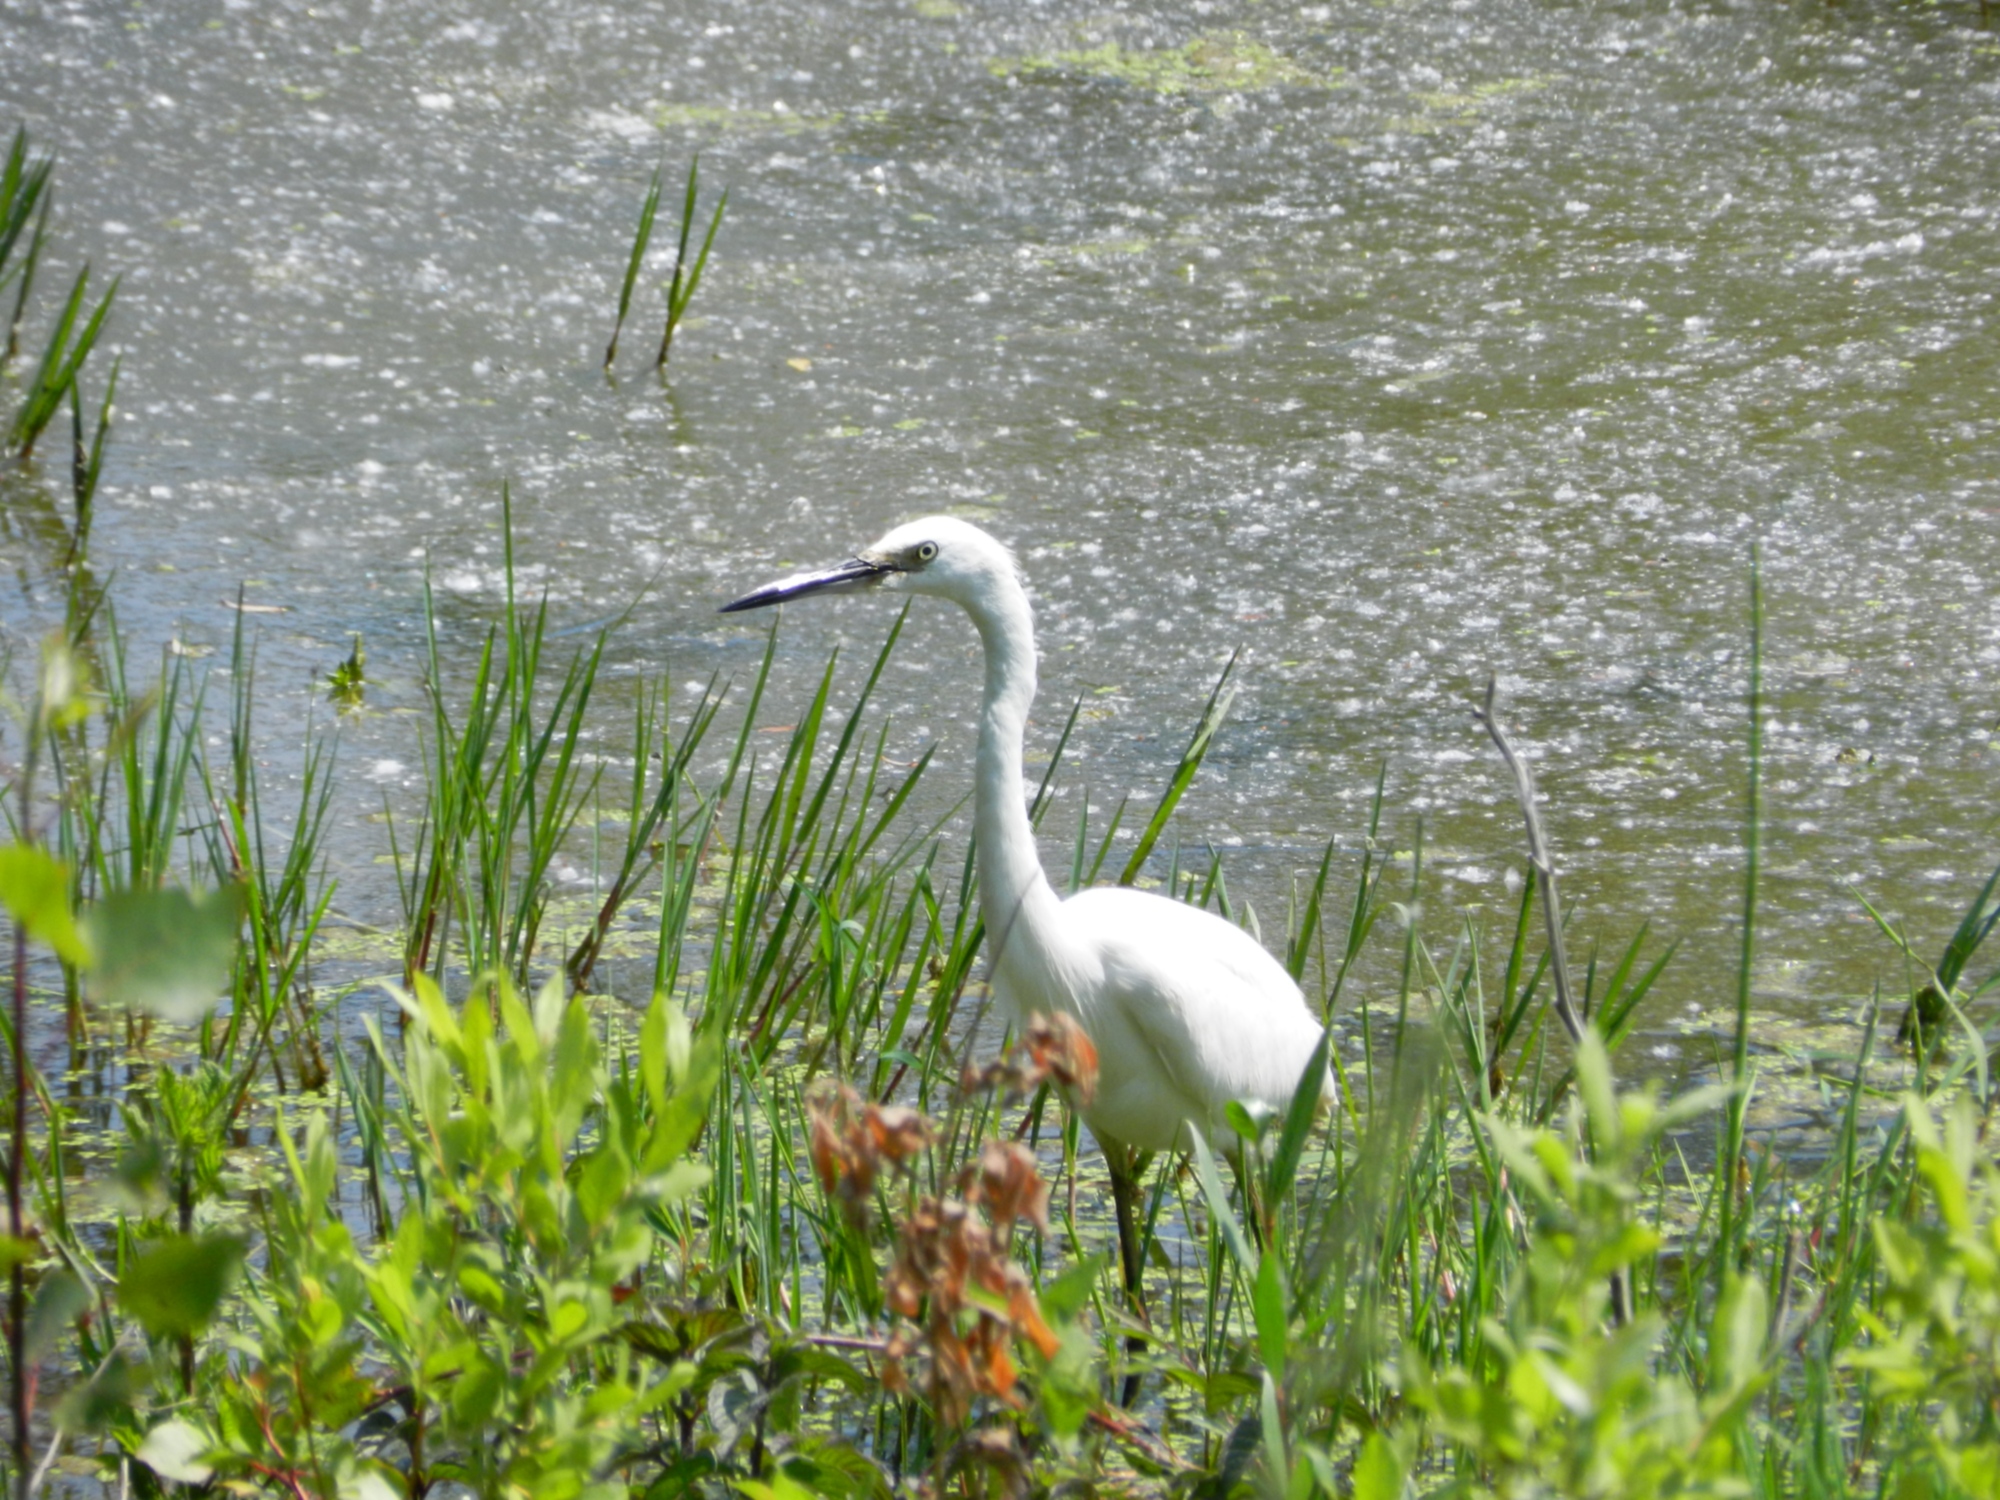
(1395, 344)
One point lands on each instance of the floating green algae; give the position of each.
(1213, 63)
(1450, 108)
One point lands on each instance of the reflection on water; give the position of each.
(1394, 344)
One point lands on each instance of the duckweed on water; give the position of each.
(1213, 63)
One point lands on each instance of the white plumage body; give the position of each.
(1187, 1012)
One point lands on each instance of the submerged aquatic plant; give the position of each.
(347, 684)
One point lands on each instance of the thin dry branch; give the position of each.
(1538, 856)
(1545, 875)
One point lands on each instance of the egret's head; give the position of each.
(937, 555)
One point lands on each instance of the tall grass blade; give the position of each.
(643, 851)
(1212, 715)
(681, 290)
(60, 362)
(640, 240)
(23, 193)
(26, 270)
(1298, 1122)
(1973, 929)
(86, 465)
(1298, 945)
(22, 183)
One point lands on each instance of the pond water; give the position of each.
(1395, 344)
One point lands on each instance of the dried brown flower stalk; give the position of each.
(851, 1141)
(1050, 1048)
(959, 1298)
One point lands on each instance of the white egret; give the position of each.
(1187, 1011)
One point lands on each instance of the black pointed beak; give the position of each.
(846, 576)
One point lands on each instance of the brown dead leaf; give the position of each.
(896, 1131)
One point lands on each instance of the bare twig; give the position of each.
(1538, 856)
(48, 1461)
(1545, 875)
(57, 1435)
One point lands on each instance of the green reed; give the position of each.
(640, 239)
(686, 279)
(25, 197)
(69, 345)
(87, 462)
(507, 775)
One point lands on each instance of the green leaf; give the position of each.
(34, 886)
(429, 1006)
(1268, 1299)
(482, 1287)
(1274, 1431)
(552, 1009)
(1593, 1078)
(834, 1470)
(806, 1361)
(1218, 1203)
(1241, 1122)
(602, 1184)
(367, 1485)
(653, 1050)
(568, 1319)
(1736, 1342)
(106, 1398)
(781, 1487)
(1298, 1122)
(1068, 1295)
(1378, 1472)
(175, 1285)
(680, 1119)
(59, 1300)
(174, 1450)
(475, 1396)
(679, 1182)
(165, 951)
(1631, 1244)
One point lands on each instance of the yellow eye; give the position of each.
(926, 551)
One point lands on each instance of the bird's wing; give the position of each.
(1219, 1017)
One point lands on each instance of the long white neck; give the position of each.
(1015, 897)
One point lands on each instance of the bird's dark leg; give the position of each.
(1126, 1167)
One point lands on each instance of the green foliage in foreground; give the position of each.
(489, 1323)
(565, 1246)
